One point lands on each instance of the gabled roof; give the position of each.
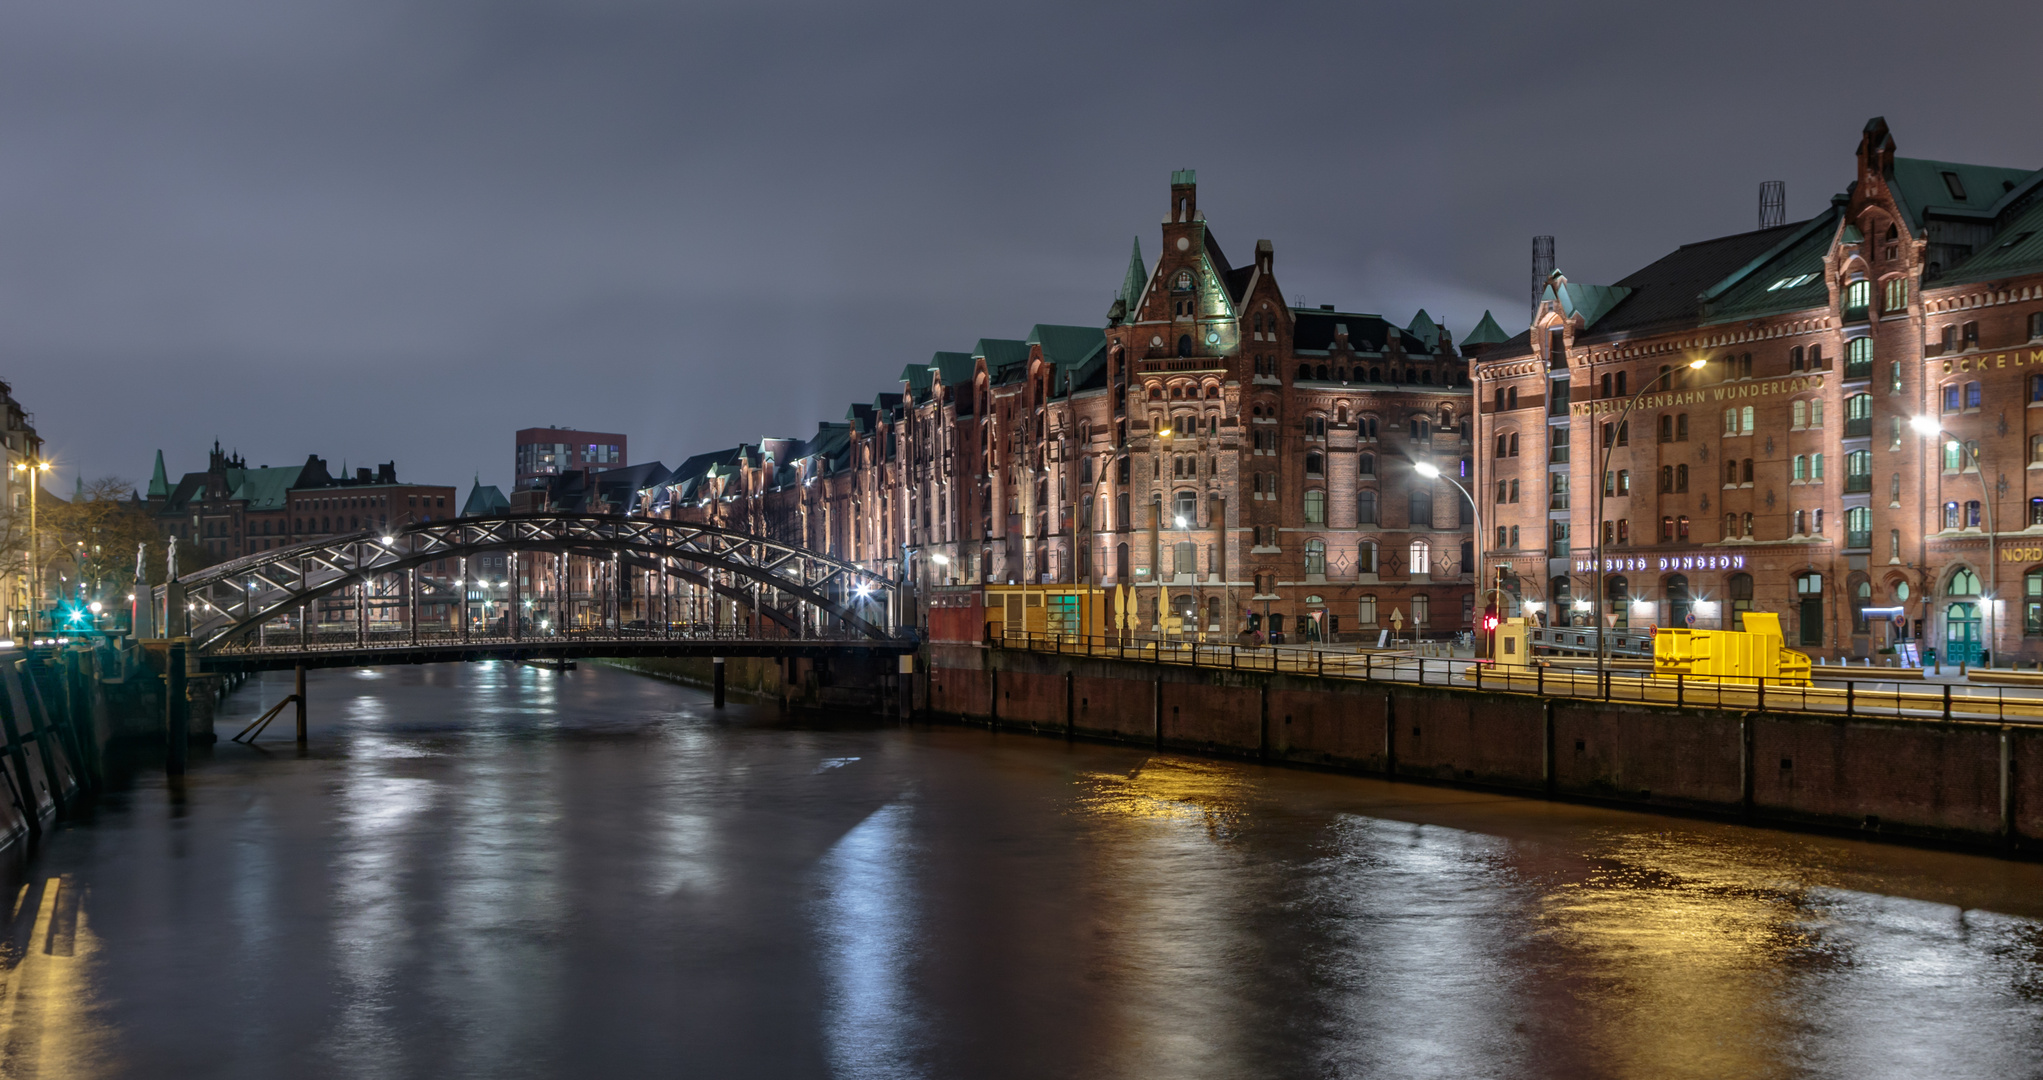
(1001, 352)
(1664, 294)
(1587, 302)
(1921, 188)
(1423, 327)
(1315, 329)
(266, 488)
(1486, 332)
(1067, 346)
(1786, 277)
(485, 500)
(2016, 248)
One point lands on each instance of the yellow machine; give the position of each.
(1757, 652)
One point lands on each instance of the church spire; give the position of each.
(159, 483)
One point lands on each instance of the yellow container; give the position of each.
(1757, 652)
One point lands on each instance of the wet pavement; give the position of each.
(496, 871)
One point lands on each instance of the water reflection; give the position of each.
(499, 872)
(865, 921)
(48, 1020)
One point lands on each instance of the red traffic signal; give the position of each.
(1489, 622)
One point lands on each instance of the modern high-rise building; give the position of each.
(551, 451)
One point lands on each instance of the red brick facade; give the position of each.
(1237, 460)
(1786, 474)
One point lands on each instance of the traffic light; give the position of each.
(1489, 625)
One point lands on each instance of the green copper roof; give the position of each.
(159, 483)
(1487, 332)
(2015, 249)
(1067, 346)
(1001, 352)
(954, 367)
(1922, 186)
(1591, 302)
(264, 488)
(1184, 176)
(1135, 280)
(485, 500)
(1424, 328)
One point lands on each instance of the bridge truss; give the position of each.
(575, 585)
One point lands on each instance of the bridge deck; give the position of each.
(378, 649)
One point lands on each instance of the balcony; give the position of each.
(1854, 485)
(1858, 369)
(1859, 314)
(1859, 540)
(1861, 426)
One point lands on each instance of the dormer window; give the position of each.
(1955, 186)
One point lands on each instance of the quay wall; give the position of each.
(1960, 783)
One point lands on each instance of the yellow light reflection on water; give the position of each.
(48, 1025)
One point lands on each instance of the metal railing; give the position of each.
(1862, 693)
(332, 637)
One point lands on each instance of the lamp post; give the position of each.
(1432, 472)
(1927, 426)
(1602, 474)
(33, 467)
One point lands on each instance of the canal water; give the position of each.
(496, 871)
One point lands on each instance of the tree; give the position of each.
(94, 538)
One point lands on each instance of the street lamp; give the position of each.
(33, 467)
(1432, 472)
(1928, 427)
(1602, 639)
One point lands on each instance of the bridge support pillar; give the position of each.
(716, 664)
(299, 691)
(177, 711)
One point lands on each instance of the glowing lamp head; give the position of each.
(1698, 363)
(389, 540)
(940, 559)
(1427, 469)
(1924, 425)
(1181, 521)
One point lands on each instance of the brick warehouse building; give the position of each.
(1787, 475)
(1239, 461)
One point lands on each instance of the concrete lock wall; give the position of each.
(1964, 783)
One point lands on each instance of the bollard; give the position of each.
(176, 711)
(717, 681)
(299, 692)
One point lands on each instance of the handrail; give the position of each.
(1857, 698)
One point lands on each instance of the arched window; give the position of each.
(1422, 557)
(1860, 590)
(1316, 507)
(1421, 428)
(1365, 508)
(1184, 344)
(1305, 371)
(1421, 508)
(1963, 583)
(1511, 398)
(1185, 514)
(1316, 557)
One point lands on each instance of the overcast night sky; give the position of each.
(374, 230)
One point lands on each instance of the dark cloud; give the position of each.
(376, 230)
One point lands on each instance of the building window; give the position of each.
(1421, 558)
(1681, 478)
(1365, 611)
(1858, 296)
(1365, 507)
(1950, 515)
(1972, 514)
(1315, 507)
(1316, 557)
(1858, 415)
(1422, 611)
(1816, 413)
(1798, 415)
(1896, 298)
(1666, 529)
(1421, 508)
(1858, 358)
(1951, 397)
(1972, 395)
(1365, 557)
(1557, 491)
(1365, 464)
(1315, 465)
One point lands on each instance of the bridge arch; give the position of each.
(227, 601)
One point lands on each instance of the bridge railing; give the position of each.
(333, 637)
(1852, 692)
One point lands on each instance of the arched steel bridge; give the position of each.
(578, 586)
